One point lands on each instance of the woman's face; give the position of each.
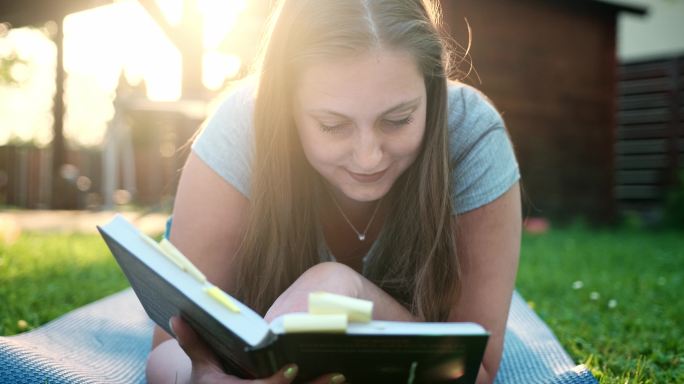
(361, 120)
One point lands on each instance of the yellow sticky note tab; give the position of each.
(305, 322)
(159, 248)
(151, 242)
(174, 254)
(217, 294)
(359, 311)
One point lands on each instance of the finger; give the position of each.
(197, 350)
(284, 376)
(332, 378)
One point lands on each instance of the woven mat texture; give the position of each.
(108, 342)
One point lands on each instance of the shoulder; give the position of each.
(467, 106)
(471, 117)
(226, 137)
(230, 113)
(236, 99)
(482, 158)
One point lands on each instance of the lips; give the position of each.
(367, 177)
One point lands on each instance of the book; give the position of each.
(364, 350)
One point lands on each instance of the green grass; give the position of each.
(636, 339)
(613, 299)
(45, 275)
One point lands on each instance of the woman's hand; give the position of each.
(206, 368)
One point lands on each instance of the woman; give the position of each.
(350, 164)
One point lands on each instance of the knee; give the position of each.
(346, 280)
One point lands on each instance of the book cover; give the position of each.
(368, 352)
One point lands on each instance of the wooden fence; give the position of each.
(159, 150)
(650, 134)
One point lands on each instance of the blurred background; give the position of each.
(98, 97)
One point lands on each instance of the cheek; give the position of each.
(317, 151)
(413, 138)
(409, 145)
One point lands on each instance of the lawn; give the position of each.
(45, 275)
(611, 297)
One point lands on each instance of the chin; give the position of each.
(366, 196)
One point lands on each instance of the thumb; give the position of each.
(197, 350)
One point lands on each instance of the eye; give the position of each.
(332, 128)
(400, 122)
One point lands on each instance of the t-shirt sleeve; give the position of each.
(482, 157)
(225, 142)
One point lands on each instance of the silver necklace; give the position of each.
(360, 235)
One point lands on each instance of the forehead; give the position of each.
(368, 82)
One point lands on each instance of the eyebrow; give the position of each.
(401, 106)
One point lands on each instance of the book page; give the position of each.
(377, 327)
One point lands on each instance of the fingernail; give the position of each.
(337, 379)
(171, 327)
(290, 372)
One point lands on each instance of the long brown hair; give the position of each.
(415, 259)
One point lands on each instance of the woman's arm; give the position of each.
(488, 246)
(209, 216)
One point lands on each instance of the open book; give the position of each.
(368, 352)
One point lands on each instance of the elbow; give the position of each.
(487, 373)
(483, 376)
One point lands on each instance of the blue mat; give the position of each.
(108, 342)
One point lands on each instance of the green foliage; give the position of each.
(632, 220)
(612, 298)
(674, 204)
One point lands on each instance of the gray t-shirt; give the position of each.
(484, 165)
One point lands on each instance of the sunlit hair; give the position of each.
(415, 260)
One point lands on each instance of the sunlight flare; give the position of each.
(100, 45)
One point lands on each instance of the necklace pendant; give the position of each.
(362, 236)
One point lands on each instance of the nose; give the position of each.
(367, 150)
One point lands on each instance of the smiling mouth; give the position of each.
(367, 177)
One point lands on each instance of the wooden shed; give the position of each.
(550, 68)
(650, 134)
